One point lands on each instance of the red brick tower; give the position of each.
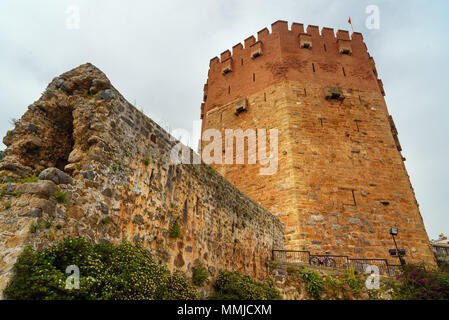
(341, 183)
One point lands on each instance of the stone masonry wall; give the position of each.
(341, 182)
(122, 185)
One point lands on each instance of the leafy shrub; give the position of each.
(234, 286)
(175, 230)
(61, 197)
(334, 286)
(34, 227)
(177, 288)
(116, 167)
(314, 283)
(146, 162)
(107, 271)
(199, 276)
(415, 283)
(353, 282)
(106, 220)
(7, 205)
(443, 266)
(2, 155)
(30, 179)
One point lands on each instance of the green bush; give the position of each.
(234, 286)
(175, 230)
(30, 179)
(2, 155)
(313, 282)
(107, 220)
(353, 282)
(199, 276)
(61, 197)
(146, 162)
(107, 271)
(177, 288)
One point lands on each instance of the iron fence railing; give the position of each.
(334, 261)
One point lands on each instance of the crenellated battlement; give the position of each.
(289, 53)
(297, 29)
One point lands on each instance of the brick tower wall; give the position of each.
(341, 183)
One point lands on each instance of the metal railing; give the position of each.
(333, 261)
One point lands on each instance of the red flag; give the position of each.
(349, 21)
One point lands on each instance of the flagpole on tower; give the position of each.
(350, 22)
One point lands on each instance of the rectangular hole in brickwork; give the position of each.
(347, 197)
(241, 61)
(313, 67)
(357, 124)
(229, 90)
(344, 72)
(264, 97)
(325, 49)
(321, 121)
(254, 77)
(305, 92)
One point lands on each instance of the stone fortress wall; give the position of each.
(121, 184)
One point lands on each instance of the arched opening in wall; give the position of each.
(62, 137)
(55, 133)
(57, 137)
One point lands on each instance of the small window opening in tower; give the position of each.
(229, 90)
(254, 77)
(241, 61)
(325, 49)
(305, 92)
(321, 122)
(256, 55)
(264, 97)
(357, 124)
(335, 96)
(346, 51)
(344, 72)
(240, 110)
(313, 67)
(306, 45)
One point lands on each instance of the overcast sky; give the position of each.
(157, 55)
